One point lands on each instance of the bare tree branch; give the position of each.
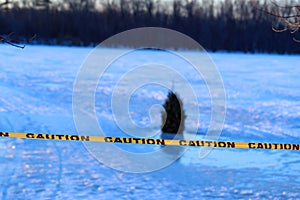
(290, 22)
(8, 40)
(278, 15)
(279, 30)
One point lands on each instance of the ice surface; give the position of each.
(263, 104)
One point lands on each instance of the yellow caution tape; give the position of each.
(194, 143)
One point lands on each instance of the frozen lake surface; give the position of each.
(263, 105)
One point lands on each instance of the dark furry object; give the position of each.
(173, 117)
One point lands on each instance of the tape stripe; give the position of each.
(152, 141)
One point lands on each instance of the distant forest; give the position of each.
(227, 25)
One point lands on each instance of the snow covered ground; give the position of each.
(263, 105)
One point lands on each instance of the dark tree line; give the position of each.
(231, 25)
